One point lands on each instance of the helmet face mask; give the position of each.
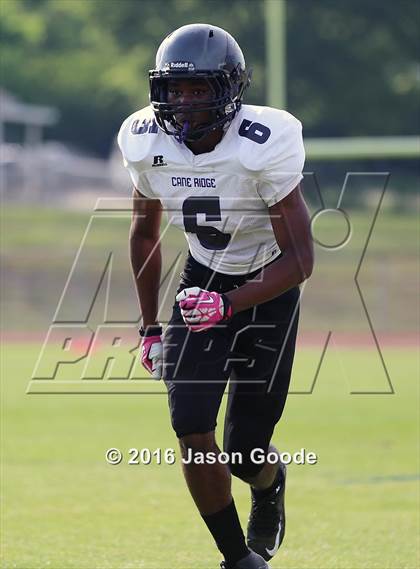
(199, 52)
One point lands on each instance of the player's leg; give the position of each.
(257, 395)
(209, 485)
(195, 377)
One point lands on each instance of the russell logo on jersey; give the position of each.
(158, 161)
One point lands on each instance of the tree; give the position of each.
(352, 66)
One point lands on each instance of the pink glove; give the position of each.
(202, 309)
(152, 355)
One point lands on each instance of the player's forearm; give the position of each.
(280, 276)
(146, 263)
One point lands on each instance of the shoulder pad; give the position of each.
(265, 135)
(137, 135)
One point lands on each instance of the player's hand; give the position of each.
(152, 351)
(202, 309)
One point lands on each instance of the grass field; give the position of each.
(39, 246)
(65, 507)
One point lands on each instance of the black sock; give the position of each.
(226, 529)
(263, 493)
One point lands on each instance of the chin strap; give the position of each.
(184, 135)
(184, 131)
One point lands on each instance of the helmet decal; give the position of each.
(179, 66)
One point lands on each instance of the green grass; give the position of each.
(64, 507)
(39, 246)
(30, 228)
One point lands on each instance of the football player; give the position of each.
(228, 175)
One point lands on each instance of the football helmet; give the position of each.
(198, 51)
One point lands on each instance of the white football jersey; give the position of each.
(220, 199)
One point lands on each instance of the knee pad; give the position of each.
(190, 422)
(243, 467)
(244, 439)
(187, 419)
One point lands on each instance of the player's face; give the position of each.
(190, 92)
